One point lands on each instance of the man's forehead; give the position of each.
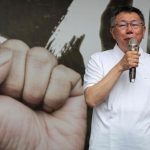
(127, 16)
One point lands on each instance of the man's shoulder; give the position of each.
(146, 56)
(102, 53)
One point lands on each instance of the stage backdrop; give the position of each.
(71, 29)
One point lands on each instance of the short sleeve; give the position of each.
(94, 70)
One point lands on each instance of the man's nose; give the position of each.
(129, 27)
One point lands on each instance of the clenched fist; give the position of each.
(42, 106)
(129, 60)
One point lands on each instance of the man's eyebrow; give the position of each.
(127, 21)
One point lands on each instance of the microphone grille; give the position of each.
(133, 42)
(133, 45)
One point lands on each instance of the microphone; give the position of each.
(133, 46)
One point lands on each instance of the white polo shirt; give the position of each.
(122, 121)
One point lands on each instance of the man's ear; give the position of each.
(144, 31)
(112, 32)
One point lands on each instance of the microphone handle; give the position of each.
(132, 74)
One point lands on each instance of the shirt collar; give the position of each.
(118, 52)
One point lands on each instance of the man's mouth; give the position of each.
(127, 39)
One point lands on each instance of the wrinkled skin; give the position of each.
(122, 37)
(42, 106)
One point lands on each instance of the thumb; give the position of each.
(5, 63)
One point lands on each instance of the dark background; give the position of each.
(31, 20)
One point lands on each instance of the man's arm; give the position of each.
(96, 94)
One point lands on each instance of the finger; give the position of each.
(134, 54)
(39, 65)
(75, 106)
(13, 85)
(5, 63)
(134, 64)
(64, 82)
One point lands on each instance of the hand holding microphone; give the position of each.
(133, 46)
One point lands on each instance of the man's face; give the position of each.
(126, 26)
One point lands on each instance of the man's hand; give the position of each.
(42, 106)
(129, 60)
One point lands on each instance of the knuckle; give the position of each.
(41, 54)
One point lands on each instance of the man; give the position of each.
(121, 109)
(41, 103)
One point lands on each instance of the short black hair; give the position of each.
(128, 9)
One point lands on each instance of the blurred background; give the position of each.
(31, 20)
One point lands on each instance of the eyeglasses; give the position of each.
(124, 25)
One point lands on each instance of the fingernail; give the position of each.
(5, 56)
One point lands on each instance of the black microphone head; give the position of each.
(133, 44)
